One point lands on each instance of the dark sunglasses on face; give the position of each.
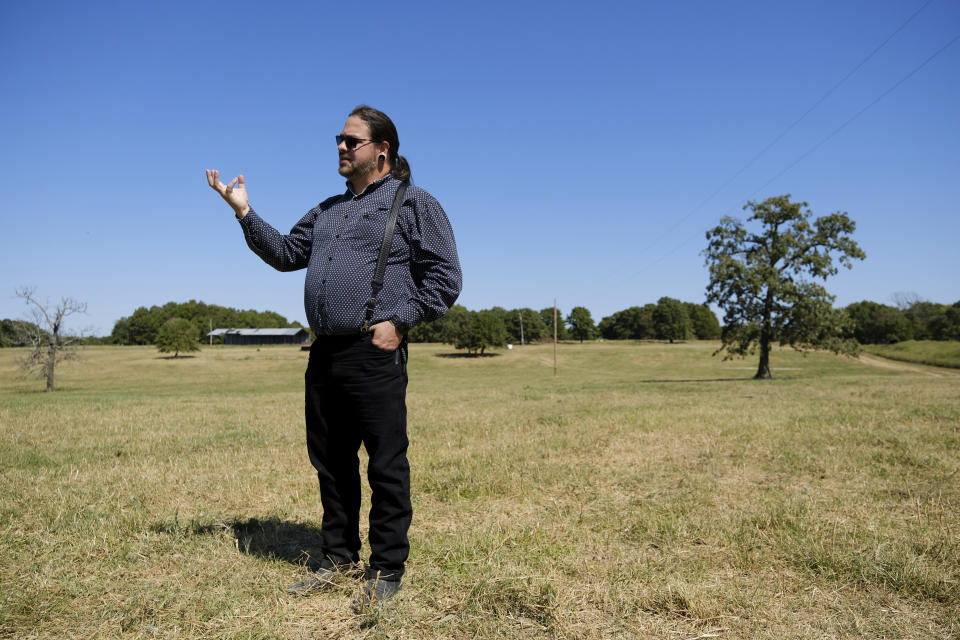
(350, 142)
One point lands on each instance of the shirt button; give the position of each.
(338, 235)
(345, 216)
(330, 259)
(323, 282)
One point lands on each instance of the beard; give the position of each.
(357, 169)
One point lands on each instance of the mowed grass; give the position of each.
(941, 353)
(649, 490)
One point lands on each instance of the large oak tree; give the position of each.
(766, 278)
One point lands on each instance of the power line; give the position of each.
(789, 128)
(858, 114)
(824, 140)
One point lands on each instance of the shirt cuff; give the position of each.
(248, 219)
(407, 317)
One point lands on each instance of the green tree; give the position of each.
(581, 323)
(671, 321)
(492, 331)
(929, 320)
(17, 333)
(953, 321)
(504, 317)
(765, 280)
(121, 332)
(703, 320)
(177, 334)
(873, 323)
(481, 329)
(455, 323)
(534, 329)
(428, 331)
(612, 328)
(547, 316)
(142, 326)
(634, 323)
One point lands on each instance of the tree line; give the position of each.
(476, 331)
(143, 326)
(669, 319)
(875, 323)
(16, 333)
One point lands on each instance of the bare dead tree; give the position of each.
(903, 300)
(49, 343)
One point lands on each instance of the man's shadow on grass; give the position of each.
(294, 542)
(673, 380)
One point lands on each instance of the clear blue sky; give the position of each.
(581, 150)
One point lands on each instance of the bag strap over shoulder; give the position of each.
(377, 282)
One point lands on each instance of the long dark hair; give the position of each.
(382, 129)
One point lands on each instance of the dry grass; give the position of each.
(648, 491)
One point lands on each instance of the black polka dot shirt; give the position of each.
(338, 242)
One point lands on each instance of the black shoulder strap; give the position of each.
(377, 282)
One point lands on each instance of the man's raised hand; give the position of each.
(234, 193)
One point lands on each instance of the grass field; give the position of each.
(647, 491)
(941, 353)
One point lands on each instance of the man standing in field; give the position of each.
(356, 377)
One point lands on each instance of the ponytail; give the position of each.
(401, 168)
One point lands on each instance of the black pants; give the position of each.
(356, 393)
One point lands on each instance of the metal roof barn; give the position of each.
(293, 335)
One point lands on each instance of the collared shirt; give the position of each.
(338, 242)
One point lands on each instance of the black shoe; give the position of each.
(375, 591)
(323, 578)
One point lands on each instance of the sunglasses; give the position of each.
(350, 142)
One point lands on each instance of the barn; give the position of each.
(293, 335)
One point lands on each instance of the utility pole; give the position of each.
(520, 313)
(554, 337)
